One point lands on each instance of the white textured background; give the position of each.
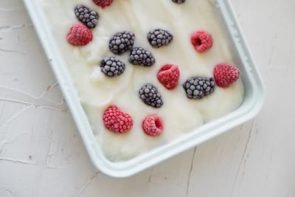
(41, 153)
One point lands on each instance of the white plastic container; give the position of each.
(251, 105)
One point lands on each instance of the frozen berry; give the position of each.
(159, 37)
(199, 87)
(150, 95)
(116, 120)
(225, 75)
(179, 1)
(141, 56)
(86, 16)
(103, 3)
(112, 66)
(168, 76)
(79, 35)
(202, 41)
(153, 125)
(121, 42)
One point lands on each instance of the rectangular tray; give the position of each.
(253, 100)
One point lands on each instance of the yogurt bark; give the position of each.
(180, 115)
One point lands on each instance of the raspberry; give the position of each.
(168, 76)
(179, 1)
(202, 41)
(199, 87)
(150, 95)
(225, 75)
(159, 38)
(112, 66)
(121, 42)
(86, 16)
(103, 3)
(79, 35)
(117, 121)
(142, 57)
(153, 125)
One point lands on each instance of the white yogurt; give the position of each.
(180, 115)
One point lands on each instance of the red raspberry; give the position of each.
(168, 76)
(79, 35)
(202, 41)
(152, 125)
(103, 3)
(116, 120)
(225, 75)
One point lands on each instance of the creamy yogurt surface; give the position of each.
(179, 114)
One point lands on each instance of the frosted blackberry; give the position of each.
(142, 57)
(112, 66)
(199, 87)
(159, 38)
(179, 1)
(87, 16)
(121, 42)
(150, 95)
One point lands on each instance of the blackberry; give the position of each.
(179, 1)
(112, 66)
(150, 95)
(87, 16)
(121, 42)
(142, 57)
(199, 87)
(159, 38)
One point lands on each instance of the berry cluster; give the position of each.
(150, 95)
(159, 38)
(152, 125)
(169, 75)
(202, 41)
(121, 42)
(120, 122)
(116, 120)
(111, 66)
(142, 57)
(199, 87)
(79, 35)
(225, 75)
(86, 16)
